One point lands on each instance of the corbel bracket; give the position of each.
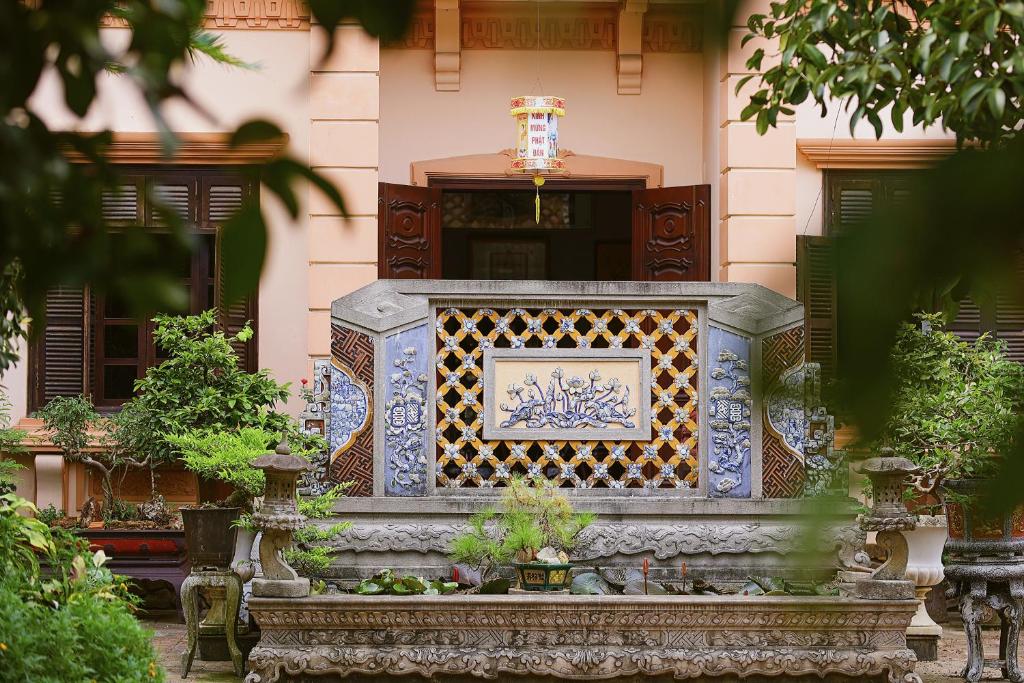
(447, 45)
(630, 46)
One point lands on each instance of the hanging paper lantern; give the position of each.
(537, 134)
(537, 138)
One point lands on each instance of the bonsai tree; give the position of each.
(69, 419)
(201, 386)
(536, 516)
(227, 456)
(956, 403)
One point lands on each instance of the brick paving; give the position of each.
(170, 641)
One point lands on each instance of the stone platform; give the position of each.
(565, 637)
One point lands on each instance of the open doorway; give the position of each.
(596, 229)
(493, 234)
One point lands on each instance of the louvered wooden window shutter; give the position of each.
(58, 361)
(220, 197)
(86, 347)
(850, 198)
(816, 290)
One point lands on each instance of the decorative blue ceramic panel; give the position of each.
(729, 414)
(406, 359)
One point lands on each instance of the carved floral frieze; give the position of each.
(571, 637)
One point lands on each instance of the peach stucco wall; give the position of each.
(277, 89)
(662, 125)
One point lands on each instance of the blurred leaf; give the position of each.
(256, 130)
(244, 246)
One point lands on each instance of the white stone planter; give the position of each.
(924, 568)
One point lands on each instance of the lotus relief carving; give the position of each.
(569, 402)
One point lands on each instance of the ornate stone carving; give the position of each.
(729, 412)
(352, 363)
(405, 414)
(569, 637)
(664, 541)
(663, 456)
(569, 402)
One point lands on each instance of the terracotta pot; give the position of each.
(210, 536)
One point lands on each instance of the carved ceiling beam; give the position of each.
(630, 46)
(447, 45)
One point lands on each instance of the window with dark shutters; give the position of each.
(850, 198)
(816, 290)
(90, 343)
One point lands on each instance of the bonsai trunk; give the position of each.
(106, 482)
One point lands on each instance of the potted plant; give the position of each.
(224, 456)
(954, 410)
(536, 531)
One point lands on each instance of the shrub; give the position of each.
(227, 456)
(955, 403)
(75, 622)
(533, 517)
(201, 387)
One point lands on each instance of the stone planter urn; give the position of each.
(924, 567)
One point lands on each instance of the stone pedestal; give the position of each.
(924, 568)
(997, 583)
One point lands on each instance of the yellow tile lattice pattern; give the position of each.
(668, 460)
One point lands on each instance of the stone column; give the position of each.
(757, 185)
(344, 110)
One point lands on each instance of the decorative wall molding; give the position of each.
(245, 14)
(572, 26)
(875, 154)
(207, 149)
(603, 541)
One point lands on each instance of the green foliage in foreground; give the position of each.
(73, 623)
(53, 231)
(955, 403)
(390, 583)
(954, 63)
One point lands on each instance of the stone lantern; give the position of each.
(889, 518)
(278, 517)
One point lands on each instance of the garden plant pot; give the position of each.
(974, 532)
(210, 536)
(539, 576)
(924, 568)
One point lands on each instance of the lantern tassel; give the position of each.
(538, 180)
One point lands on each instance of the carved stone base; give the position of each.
(882, 589)
(566, 637)
(722, 541)
(271, 588)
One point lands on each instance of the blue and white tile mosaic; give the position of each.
(406, 359)
(729, 414)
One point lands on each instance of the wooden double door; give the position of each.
(660, 234)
